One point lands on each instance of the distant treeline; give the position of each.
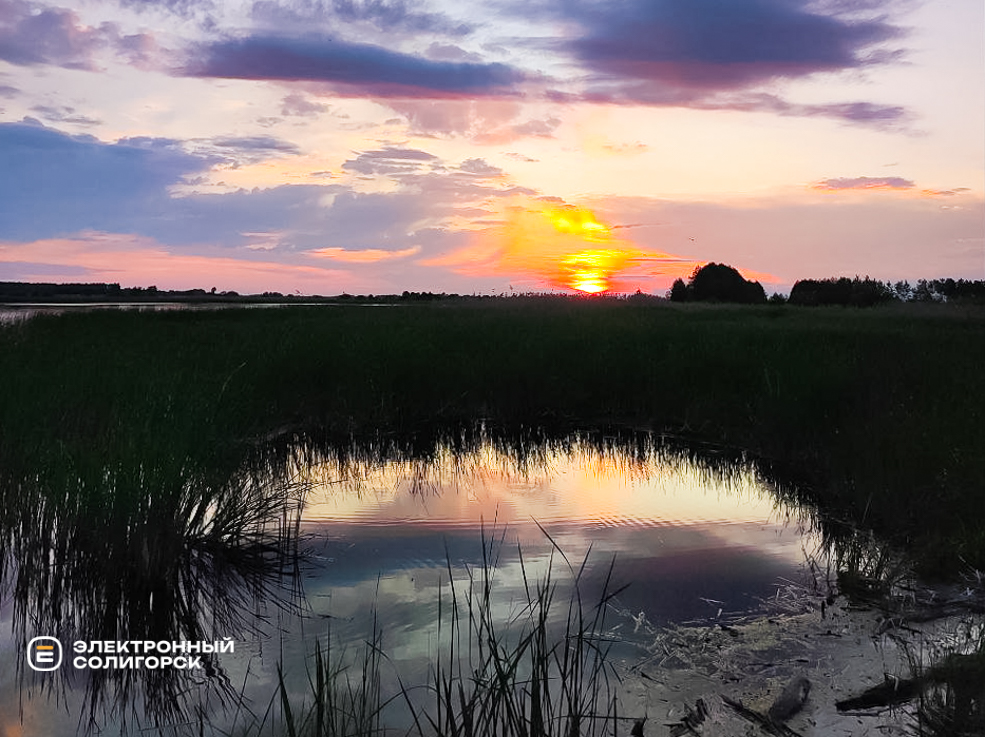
(27, 290)
(709, 283)
(722, 283)
(32, 291)
(868, 292)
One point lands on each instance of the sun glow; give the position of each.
(564, 246)
(577, 221)
(590, 271)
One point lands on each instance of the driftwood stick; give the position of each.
(892, 691)
(764, 722)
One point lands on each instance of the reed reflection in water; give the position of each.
(691, 541)
(142, 552)
(170, 553)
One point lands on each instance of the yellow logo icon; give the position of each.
(44, 653)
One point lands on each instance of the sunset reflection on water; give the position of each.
(690, 542)
(672, 524)
(582, 487)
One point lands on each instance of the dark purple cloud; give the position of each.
(702, 45)
(719, 54)
(33, 34)
(355, 67)
(867, 113)
(864, 112)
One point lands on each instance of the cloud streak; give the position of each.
(389, 161)
(392, 16)
(864, 183)
(862, 113)
(364, 256)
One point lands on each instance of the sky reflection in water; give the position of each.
(687, 541)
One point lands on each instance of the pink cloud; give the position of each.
(32, 34)
(847, 183)
(456, 116)
(133, 260)
(364, 256)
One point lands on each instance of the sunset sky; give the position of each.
(376, 146)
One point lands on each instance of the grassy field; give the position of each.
(876, 416)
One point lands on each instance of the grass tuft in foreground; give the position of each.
(536, 669)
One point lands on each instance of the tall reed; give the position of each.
(538, 670)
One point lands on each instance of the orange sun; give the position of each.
(587, 270)
(590, 270)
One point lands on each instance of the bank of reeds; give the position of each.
(875, 416)
(953, 702)
(142, 551)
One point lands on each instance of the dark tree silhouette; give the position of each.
(721, 283)
(844, 291)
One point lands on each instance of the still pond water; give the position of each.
(691, 543)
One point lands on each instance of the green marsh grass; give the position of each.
(876, 416)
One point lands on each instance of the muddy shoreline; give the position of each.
(684, 676)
